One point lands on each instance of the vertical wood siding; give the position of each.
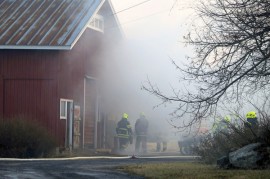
(32, 99)
(33, 81)
(90, 113)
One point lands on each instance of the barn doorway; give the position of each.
(66, 107)
(91, 113)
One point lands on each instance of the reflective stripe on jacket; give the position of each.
(122, 132)
(123, 129)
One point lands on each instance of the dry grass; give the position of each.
(191, 170)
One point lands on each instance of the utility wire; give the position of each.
(141, 18)
(130, 7)
(175, 2)
(138, 19)
(144, 17)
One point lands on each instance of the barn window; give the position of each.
(63, 109)
(97, 23)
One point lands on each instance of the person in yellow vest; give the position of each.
(221, 125)
(252, 120)
(124, 132)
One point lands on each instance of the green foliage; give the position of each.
(21, 138)
(214, 146)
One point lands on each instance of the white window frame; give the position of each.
(95, 23)
(65, 107)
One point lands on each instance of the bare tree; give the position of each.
(232, 48)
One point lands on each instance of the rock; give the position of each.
(224, 162)
(251, 156)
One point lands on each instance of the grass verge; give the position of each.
(190, 170)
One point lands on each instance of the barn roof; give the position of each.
(44, 24)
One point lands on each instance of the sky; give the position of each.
(153, 31)
(157, 23)
(155, 28)
(159, 27)
(157, 17)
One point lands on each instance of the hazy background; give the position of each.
(153, 34)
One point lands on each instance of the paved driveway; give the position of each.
(80, 167)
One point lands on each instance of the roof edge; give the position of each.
(27, 47)
(116, 18)
(85, 27)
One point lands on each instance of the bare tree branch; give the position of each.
(232, 56)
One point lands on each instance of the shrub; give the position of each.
(214, 146)
(21, 138)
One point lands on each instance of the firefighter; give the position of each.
(141, 128)
(124, 132)
(222, 125)
(252, 120)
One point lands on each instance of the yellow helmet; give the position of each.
(251, 114)
(125, 115)
(227, 118)
(142, 114)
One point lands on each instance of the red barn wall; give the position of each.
(33, 81)
(74, 67)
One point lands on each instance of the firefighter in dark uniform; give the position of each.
(252, 120)
(141, 127)
(124, 132)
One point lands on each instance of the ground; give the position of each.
(80, 167)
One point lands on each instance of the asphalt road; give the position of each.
(77, 168)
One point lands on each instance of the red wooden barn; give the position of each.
(49, 66)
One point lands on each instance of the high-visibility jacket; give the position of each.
(252, 118)
(220, 126)
(123, 129)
